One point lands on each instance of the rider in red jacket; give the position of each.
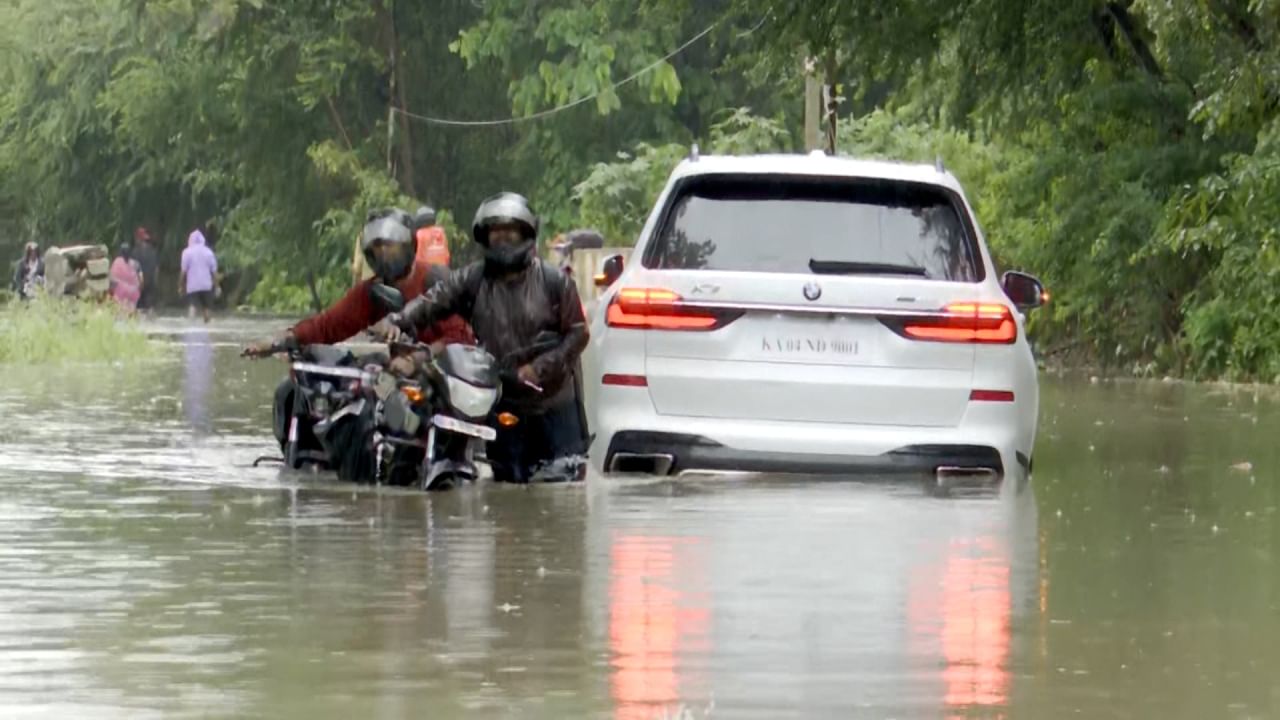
(357, 310)
(389, 248)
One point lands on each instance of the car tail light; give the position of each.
(657, 309)
(964, 322)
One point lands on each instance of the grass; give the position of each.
(58, 331)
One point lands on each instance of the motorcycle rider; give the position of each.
(510, 298)
(389, 249)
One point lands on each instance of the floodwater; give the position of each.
(147, 570)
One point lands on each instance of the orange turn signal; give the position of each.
(507, 420)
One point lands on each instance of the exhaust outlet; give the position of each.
(950, 478)
(642, 463)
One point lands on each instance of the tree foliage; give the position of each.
(1125, 150)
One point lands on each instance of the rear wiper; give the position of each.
(848, 267)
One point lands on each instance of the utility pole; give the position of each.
(391, 114)
(812, 104)
(831, 98)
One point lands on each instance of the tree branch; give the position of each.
(405, 144)
(1106, 27)
(1120, 13)
(337, 121)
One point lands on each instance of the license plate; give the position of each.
(809, 348)
(836, 341)
(483, 432)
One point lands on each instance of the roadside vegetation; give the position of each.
(46, 332)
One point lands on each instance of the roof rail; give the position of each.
(693, 152)
(937, 164)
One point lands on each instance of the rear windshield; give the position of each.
(794, 224)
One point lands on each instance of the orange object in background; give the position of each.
(433, 246)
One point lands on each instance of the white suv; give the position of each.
(811, 314)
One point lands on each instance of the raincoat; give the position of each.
(433, 245)
(199, 264)
(126, 283)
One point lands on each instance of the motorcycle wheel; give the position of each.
(402, 474)
(444, 481)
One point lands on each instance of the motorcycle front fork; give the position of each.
(455, 453)
(438, 448)
(431, 451)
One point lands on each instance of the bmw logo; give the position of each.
(812, 291)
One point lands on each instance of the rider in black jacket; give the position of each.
(511, 299)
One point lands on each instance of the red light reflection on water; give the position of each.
(652, 619)
(968, 609)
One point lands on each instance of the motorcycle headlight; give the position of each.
(470, 400)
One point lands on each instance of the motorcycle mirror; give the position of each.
(391, 299)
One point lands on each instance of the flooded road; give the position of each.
(146, 570)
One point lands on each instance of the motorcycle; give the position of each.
(326, 383)
(431, 428)
(353, 415)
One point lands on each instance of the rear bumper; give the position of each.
(666, 453)
(625, 423)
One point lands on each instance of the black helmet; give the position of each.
(424, 217)
(506, 208)
(391, 226)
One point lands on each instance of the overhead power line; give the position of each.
(572, 104)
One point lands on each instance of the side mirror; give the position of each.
(610, 271)
(391, 299)
(1024, 290)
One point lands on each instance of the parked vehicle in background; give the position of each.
(81, 271)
